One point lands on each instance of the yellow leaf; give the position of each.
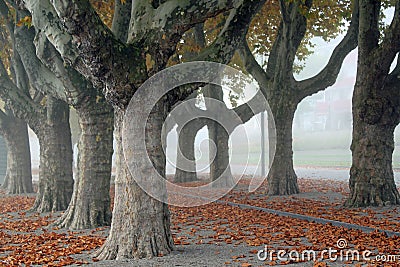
(27, 21)
(149, 62)
(98, 98)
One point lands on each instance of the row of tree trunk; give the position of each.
(141, 224)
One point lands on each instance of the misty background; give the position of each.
(321, 130)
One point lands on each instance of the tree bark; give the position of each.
(90, 204)
(55, 172)
(282, 179)
(371, 175)
(376, 111)
(186, 159)
(220, 166)
(18, 179)
(219, 143)
(141, 225)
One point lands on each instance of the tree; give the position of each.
(219, 149)
(18, 179)
(325, 19)
(55, 172)
(194, 41)
(47, 117)
(376, 110)
(140, 225)
(50, 123)
(185, 170)
(283, 92)
(219, 166)
(90, 203)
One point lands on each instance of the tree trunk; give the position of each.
(186, 159)
(18, 178)
(220, 168)
(140, 226)
(371, 175)
(55, 170)
(375, 117)
(3, 159)
(90, 204)
(282, 179)
(271, 139)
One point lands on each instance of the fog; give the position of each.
(321, 128)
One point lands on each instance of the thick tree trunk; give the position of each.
(374, 120)
(371, 175)
(90, 204)
(4, 163)
(140, 226)
(271, 139)
(18, 178)
(55, 171)
(186, 159)
(376, 112)
(282, 179)
(220, 168)
(219, 142)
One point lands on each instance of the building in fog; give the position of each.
(328, 110)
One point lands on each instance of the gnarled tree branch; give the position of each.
(328, 75)
(120, 23)
(390, 45)
(274, 54)
(90, 47)
(76, 87)
(5, 13)
(173, 17)
(21, 104)
(233, 33)
(39, 75)
(251, 65)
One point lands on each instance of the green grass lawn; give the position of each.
(319, 149)
(323, 158)
(329, 149)
(332, 158)
(317, 158)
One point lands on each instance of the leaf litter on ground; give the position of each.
(28, 238)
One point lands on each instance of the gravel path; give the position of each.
(203, 256)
